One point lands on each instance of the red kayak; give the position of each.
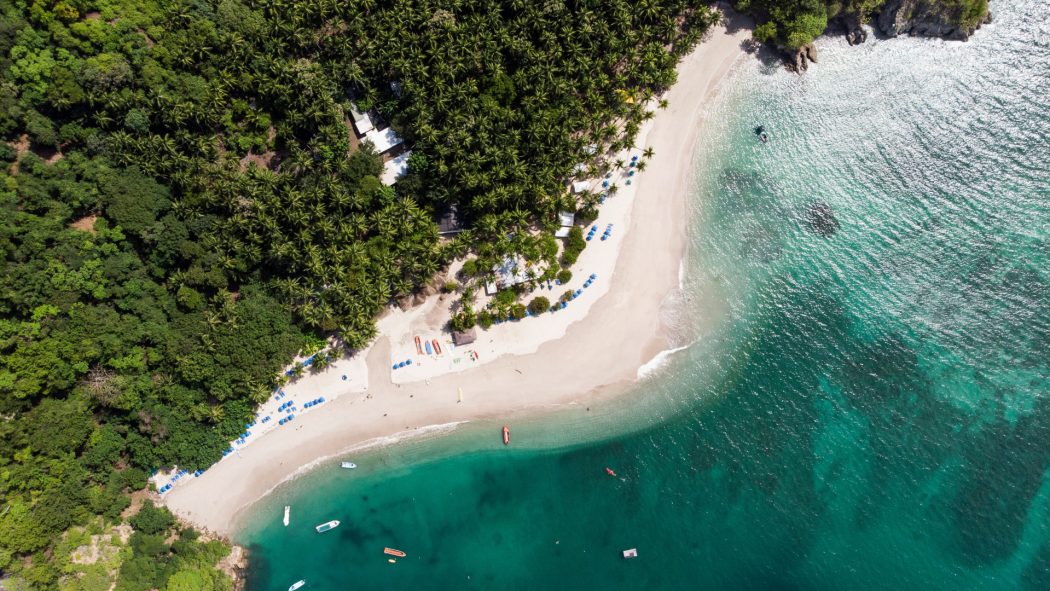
(419, 347)
(610, 471)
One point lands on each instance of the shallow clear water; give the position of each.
(872, 411)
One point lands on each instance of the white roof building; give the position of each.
(566, 219)
(581, 186)
(395, 168)
(362, 122)
(383, 140)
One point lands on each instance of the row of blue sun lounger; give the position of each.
(407, 361)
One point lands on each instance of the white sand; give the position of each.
(592, 349)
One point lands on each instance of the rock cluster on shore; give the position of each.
(928, 18)
(922, 18)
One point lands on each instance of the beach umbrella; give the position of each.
(409, 362)
(631, 173)
(628, 181)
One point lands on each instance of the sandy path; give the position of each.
(598, 356)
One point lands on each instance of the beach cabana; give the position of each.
(464, 337)
(581, 186)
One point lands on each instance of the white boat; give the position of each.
(349, 465)
(297, 585)
(630, 553)
(327, 526)
(287, 512)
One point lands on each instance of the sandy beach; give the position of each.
(587, 352)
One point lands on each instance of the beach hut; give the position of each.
(449, 222)
(362, 122)
(464, 337)
(566, 219)
(395, 168)
(383, 140)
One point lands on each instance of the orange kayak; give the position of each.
(506, 435)
(419, 347)
(437, 347)
(393, 552)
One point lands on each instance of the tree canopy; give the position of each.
(184, 207)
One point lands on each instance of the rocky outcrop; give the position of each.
(801, 59)
(930, 18)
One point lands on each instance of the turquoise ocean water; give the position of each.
(871, 411)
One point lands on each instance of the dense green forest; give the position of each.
(183, 209)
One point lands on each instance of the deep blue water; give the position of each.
(871, 410)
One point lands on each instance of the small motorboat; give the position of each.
(630, 553)
(506, 435)
(394, 552)
(348, 465)
(297, 585)
(760, 131)
(287, 513)
(610, 472)
(419, 346)
(327, 526)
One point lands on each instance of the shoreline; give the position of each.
(621, 331)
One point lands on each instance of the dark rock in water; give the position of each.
(821, 220)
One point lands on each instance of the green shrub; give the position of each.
(564, 276)
(517, 311)
(539, 305)
(574, 245)
(566, 296)
(484, 319)
(152, 519)
(506, 297)
(470, 268)
(450, 286)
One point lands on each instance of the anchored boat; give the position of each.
(297, 585)
(506, 435)
(327, 526)
(394, 552)
(349, 465)
(287, 512)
